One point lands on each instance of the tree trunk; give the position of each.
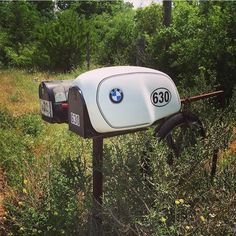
(88, 50)
(167, 7)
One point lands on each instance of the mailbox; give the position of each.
(54, 100)
(120, 99)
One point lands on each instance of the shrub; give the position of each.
(170, 200)
(6, 120)
(58, 209)
(31, 124)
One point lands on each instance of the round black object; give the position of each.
(180, 131)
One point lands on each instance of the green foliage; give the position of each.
(149, 19)
(49, 177)
(57, 210)
(197, 41)
(14, 154)
(200, 40)
(60, 45)
(6, 120)
(170, 200)
(91, 8)
(46, 188)
(31, 124)
(17, 23)
(114, 38)
(148, 22)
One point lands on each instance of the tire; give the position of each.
(180, 131)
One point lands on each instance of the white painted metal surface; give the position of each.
(127, 97)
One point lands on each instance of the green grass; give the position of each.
(48, 173)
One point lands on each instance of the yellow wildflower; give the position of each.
(181, 201)
(25, 191)
(163, 219)
(177, 202)
(25, 181)
(202, 218)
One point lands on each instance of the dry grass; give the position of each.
(19, 91)
(16, 99)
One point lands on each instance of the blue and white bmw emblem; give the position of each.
(116, 95)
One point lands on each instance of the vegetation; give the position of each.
(199, 41)
(48, 168)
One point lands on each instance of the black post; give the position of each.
(97, 186)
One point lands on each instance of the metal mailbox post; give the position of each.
(113, 101)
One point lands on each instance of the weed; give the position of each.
(49, 175)
(31, 124)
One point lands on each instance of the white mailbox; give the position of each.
(121, 98)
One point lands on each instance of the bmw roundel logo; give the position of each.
(116, 95)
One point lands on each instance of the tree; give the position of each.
(203, 43)
(114, 38)
(60, 42)
(167, 7)
(91, 9)
(17, 23)
(148, 22)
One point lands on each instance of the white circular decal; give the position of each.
(160, 97)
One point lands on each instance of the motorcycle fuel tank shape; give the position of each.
(121, 98)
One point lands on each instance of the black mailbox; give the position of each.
(54, 100)
(79, 121)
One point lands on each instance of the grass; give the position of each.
(18, 95)
(48, 171)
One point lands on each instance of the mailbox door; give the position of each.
(79, 121)
(53, 100)
(46, 97)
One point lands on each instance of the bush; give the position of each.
(170, 200)
(31, 124)
(6, 120)
(58, 209)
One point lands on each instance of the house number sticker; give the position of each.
(160, 97)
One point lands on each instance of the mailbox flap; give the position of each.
(53, 100)
(79, 121)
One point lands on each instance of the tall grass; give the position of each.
(49, 176)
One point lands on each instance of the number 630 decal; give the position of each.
(160, 97)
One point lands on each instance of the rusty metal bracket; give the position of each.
(202, 96)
